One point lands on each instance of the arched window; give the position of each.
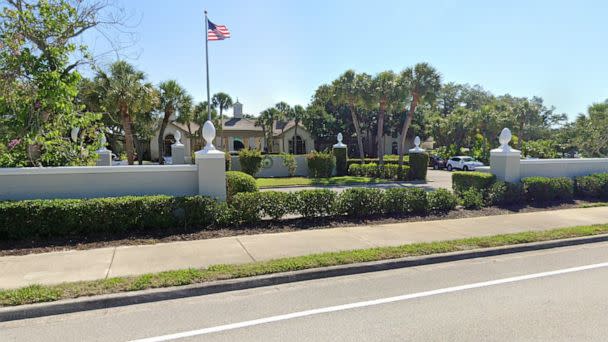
(395, 148)
(237, 145)
(169, 140)
(300, 145)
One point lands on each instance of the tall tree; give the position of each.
(297, 115)
(171, 95)
(185, 110)
(284, 110)
(591, 133)
(122, 90)
(385, 95)
(421, 84)
(266, 120)
(221, 101)
(349, 89)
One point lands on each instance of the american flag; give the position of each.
(217, 32)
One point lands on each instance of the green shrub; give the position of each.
(355, 170)
(388, 159)
(419, 165)
(341, 155)
(65, 218)
(463, 181)
(277, 204)
(227, 160)
(506, 193)
(246, 207)
(319, 202)
(250, 160)
(472, 198)
(289, 161)
(441, 201)
(320, 164)
(594, 186)
(405, 201)
(542, 189)
(237, 181)
(361, 201)
(373, 170)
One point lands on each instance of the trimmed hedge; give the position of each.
(441, 201)
(43, 219)
(341, 155)
(237, 182)
(506, 193)
(419, 165)
(472, 198)
(362, 201)
(593, 186)
(541, 189)
(373, 170)
(463, 181)
(320, 164)
(405, 201)
(250, 160)
(319, 202)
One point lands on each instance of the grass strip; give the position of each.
(42, 293)
(303, 181)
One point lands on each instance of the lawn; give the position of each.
(301, 181)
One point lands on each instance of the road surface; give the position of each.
(558, 294)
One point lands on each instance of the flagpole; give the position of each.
(207, 65)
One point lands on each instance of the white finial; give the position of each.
(417, 149)
(209, 135)
(178, 137)
(104, 142)
(340, 144)
(504, 139)
(74, 133)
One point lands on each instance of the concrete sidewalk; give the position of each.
(57, 267)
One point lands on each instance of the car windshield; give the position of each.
(467, 159)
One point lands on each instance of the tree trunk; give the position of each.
(221, 135)
(139, 148)
(161, 138)
(406, 127)
(358, 132)
(381, 133)
(126, 125)
(520, 139)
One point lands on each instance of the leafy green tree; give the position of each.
(386, 95)
(297, 115)
(591, 131)
(39, 83)
(122, 92)
(284, 113)
(221, 101)
(266, 120)
(421, 83)
(171, 96)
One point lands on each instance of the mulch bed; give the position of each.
(288, 225)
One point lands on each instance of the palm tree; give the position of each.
(384, 94)
(122, 90)
(185, 110)
(297, 115)
(284, 114)
(421, 83)
(171, 94)
(266, 120)
(221, 101)
(349, 89)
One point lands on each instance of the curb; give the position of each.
(155, 295)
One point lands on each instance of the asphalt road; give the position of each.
(436, 179)
(558, 294)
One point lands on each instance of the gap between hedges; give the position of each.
(39, 293)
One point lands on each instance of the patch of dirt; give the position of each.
(288, 225)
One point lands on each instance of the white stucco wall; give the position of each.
(562, 167)
(276, 169)
(289, 134)
(97, 181)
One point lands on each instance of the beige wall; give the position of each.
(562, 167)
(170, 130)
(288, 135)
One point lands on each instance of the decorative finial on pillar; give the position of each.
(340, 144)
(504, 139)
(209, 135)
(178, 137)
(104, 142)
(417, 149)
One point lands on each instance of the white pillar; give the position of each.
(341, 153)
(178, 150)
(211, 167)
(105, 155)
(505, 161)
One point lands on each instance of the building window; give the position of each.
(300, 145)
(169, 140)
(237, 144)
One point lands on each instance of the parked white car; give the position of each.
(464, 163)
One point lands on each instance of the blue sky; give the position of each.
(283, 50)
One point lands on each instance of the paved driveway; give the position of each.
(436, 179)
